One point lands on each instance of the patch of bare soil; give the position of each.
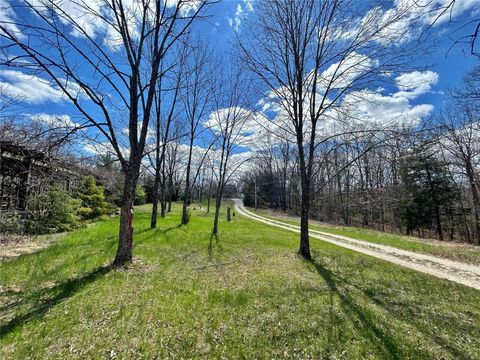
(13, 245)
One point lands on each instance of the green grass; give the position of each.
(246, 296)
(453, 251)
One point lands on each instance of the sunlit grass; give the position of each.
(247, 295)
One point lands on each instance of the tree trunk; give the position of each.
(186, 197)
(433, 190)
(209, 196)
(162, 197)
(475, 203)
(125, 236)
(304, 237)
(304, 249)
(156, 184)
(218, 202)
(229, 218)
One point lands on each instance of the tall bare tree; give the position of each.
(108, 73)
(196, 98)
(308, 55)
(166, 102)
(229, 123)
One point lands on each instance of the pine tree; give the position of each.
(92, 195)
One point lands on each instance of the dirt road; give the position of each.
(461, 273)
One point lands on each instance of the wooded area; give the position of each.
(423, 181)
(167, 118)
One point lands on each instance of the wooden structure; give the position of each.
(25, 173)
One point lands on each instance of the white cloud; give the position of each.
(415, 83)
(240, 14)
(373, 110)
(7, 18)
(248, 5)
(407, 18)
(237, 20)
(83, 13)
(94, 18)
(358, 110)
(435, 9)
(237, 123)
(28, 88)
(98, 147)
(342, 74)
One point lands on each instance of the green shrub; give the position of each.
(56, 212)
(140, 195)
(93, 203)
(11, 222)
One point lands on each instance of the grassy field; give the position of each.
(248, 295)
(453, 251)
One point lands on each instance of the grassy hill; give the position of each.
(247, 295)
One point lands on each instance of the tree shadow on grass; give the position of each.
(46, 298)
(155, 233)
(387, 343)
(390, 305)
(212, 246)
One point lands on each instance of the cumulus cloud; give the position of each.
(248, 5)
(373, 110)
(29, 88)
(94, 19)
(83, 13)
(415, 83)
(241, 125)
(361, 109)
(343, 73)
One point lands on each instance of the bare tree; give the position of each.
(309, 55)
(229, 123)
(166, 101)
(107, 76)
(461, 139)
(196, 99)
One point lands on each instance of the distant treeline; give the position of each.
(422, 181)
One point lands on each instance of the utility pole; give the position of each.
(255, 186)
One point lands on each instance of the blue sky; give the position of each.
(227, 19)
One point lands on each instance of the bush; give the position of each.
(140, 195)
(93, 203)
(56, 212)
(11, 222)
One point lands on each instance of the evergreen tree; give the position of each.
(429, 190)
(93, 200)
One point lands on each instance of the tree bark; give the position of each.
(125, 236)
(209, 196)
(438, 220)
(304, 249)
(475, 201)
(218, 202)
(156, 184)
(186, 197)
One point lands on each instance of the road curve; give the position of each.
(461, 273)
